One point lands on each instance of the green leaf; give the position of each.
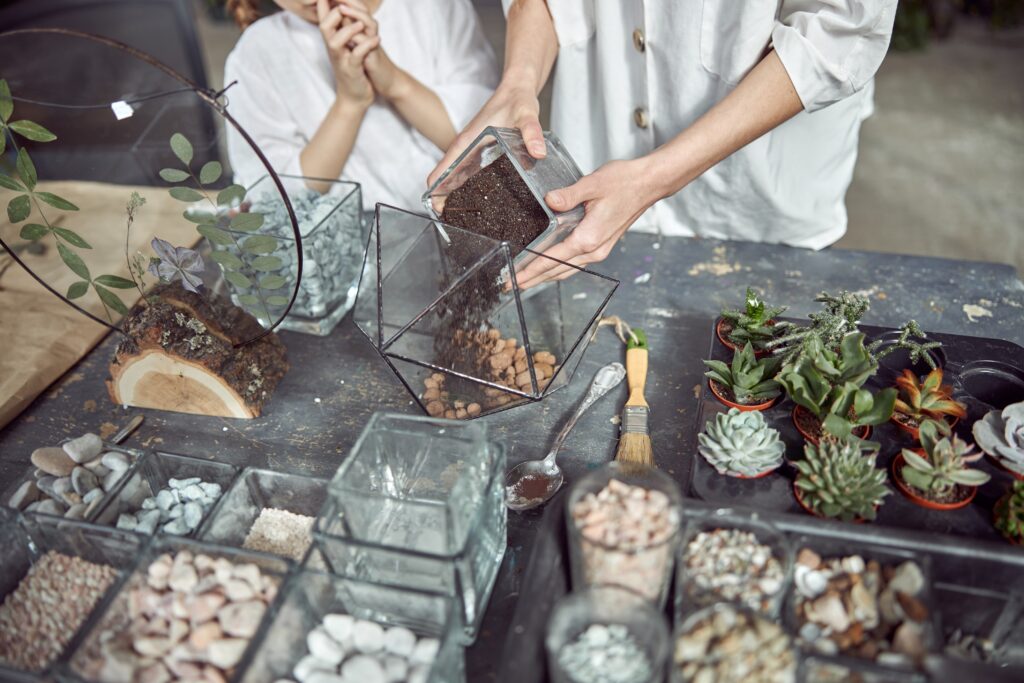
(72, 238)
(19, 208)
(278, 300)
(26, 169)
(198, 217)
(115, 281)
(237, 279)
(7, 181)
(226, 259)
(73, 261)
(230, 194)
(182, 148)
(272, 282)
(259, 244)
(185, 194)
(110, 299)
(249, 300)
(56, 202)
(969, 477)
(210, 172)
(173, 175)
(6, 103)
(33, 231)
(78, 289)
(247, 222)
(266, 264)
(215, 235)
(916, 461)
(32, 131)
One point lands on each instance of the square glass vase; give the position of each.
(261, 275)
(310, 596)
(442, 308)
(255, 490)
(420, 503)
(151, 474)
(27, 539)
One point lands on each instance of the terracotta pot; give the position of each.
(732, 345)
(861, 432)
(739, 406)
(756, 476)
(915, 432)
(995, 516)
(798, 494)
(897, 468)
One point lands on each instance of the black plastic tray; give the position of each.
(976, 576)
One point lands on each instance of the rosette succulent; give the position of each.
(1001, 435)
(944, 463)
(755, 324)
(836, 480)
(750, 379)
(741, 444)
(1010, 514)
(928, 399)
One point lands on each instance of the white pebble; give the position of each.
(324, 677)
(363, 669)
(182, 483)
(191, 492)
(114, 461)
(425, 651)
(399, 641)
(84, 448)
(419, 674)
(308, 665)
(127, 522)
(323, 647)
(176, 527)
(111, 480)
(164, 500)
(211, 489)
(368, 636)
(339, 626)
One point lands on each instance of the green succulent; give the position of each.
(836, 480)
(944, 464)
(829, 384)
(1010, 514)
(749, 378)
(741, 443)
(751, 325)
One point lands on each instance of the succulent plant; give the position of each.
(755, 324)
(945, 462)
(830, 386)
(930, 399)
(749, 378)
(1010, 514)
(741, 443)
(836, 480)
(1001, 435)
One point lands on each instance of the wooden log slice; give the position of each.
(180, 354)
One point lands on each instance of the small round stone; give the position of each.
(399, 641)
(85, 448)
(363, 669)
(367, 636)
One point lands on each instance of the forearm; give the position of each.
(764, 99)
(422, 109)
(329, 148)
(531, 46)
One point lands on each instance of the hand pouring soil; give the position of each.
(533, 482)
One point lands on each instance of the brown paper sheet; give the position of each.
(41, 336)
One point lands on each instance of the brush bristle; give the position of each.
(635, 447)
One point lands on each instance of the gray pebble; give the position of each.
(84, 448)
(211, 489)
(114, 461)
(193, 514)
(83, 481)
(33, 507)
(127, 522)
(148, 521)
(176, 527)
(99, 470)
(95, 494)
(45, 484)
(166, 499)
(183, 483)
(149, 504)
(112, 479)
(191, 492)
(25, 494)
(51, 507)
(62, 486)
(76, 511)
(176, 511)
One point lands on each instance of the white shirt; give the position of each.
(787, 186)
(286, 86)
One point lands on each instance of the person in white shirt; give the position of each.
(731, 119)
(366, 90)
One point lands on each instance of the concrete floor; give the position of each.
(941, 167)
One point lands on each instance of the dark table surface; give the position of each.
(337, 382)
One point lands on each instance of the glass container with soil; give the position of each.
(442, 307)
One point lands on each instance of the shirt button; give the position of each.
(639, 42)
(640, 117)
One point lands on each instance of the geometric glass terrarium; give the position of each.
(442, 307)
(419, 503)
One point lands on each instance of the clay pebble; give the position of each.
(732, 646)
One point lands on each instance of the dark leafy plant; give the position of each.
(750, 379)
(945, 462)
(755, 323)
(1010, 514)
(928, 399)
(29, 197)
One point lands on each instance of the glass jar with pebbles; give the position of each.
(624, 523)
(330, 628)
(333, 240)
(187, 613)
(606, 635)
(267, 511)
(71, 480)
(53, 574)
(420, 503)
(874, 604)
(725, 643)
(168, 493)
(440, 305)
(728, 556)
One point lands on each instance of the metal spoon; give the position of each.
(533, 482)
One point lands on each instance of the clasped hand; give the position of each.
(361, 67)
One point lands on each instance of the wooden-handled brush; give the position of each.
(634, 434)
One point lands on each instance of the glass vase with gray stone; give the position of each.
(329, 216)
(419, 503)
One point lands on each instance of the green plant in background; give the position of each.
(29, 197)
(1001, 434)
(741, 443)
(945, 462)
(1009, 513)
(751, 325)
(236, 232)
(830, 386)
(836, 480)
(750, 379)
